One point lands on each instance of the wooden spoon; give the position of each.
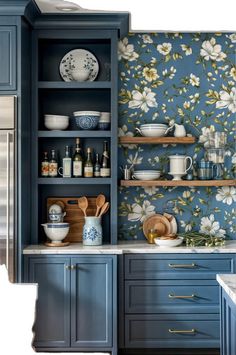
(83, 204)
(104, 209)
(100, 200)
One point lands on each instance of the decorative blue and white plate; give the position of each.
(79, 60)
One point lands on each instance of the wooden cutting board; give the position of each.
(74, 215)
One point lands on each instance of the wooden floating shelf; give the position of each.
(74, 181)
(156, 140)
(74, 134)
(212, 183)
(74, 85)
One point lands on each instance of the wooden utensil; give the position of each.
(104, 209)
(100, 200)
(158, 222)
(83, 204)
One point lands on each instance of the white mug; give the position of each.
(178, 163)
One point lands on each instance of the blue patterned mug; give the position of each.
(92, 231)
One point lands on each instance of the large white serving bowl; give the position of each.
(153, 125)
(56, 232)
(151, 131)
(146, 174)
(56, 122)
(168, 242)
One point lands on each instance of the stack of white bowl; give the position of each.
(56, 122)
(146, 174)
(104, 121)
(153, 129)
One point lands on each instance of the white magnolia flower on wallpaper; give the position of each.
(211, 227)
(226, 194)
(150, 190)
(204, 137)
(164, 48)
(135, 160)
(140, 212)
(234, 158)
(233, 37)
(187, 49)
(227, 100)
(147, 39)
(143, 100)
(233, 73)
(123, 131)
(150, 74)
(126, 50)
(194, 80)
(211, 50)
(187, 226)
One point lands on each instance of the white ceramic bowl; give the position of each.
(146, 174)
(56, 122)
(154, 125)
(56, 232)
(153, 131)
(168, 242)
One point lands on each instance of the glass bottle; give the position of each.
(53, 166)
(88, 166)
(45, 165)
(77, 161)
(97, 167)
(105, 165)
(66, 162)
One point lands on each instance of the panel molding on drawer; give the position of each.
(153, 331)
(160, 296)
(172, 266)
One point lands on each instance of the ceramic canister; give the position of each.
(92, 231)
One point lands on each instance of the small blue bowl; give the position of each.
(87, 120)
(103, 126)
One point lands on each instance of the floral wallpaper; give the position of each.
(187, 78)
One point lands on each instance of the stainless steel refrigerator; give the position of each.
(7, 183)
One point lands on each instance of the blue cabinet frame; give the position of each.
(7, 57)
(228, 324)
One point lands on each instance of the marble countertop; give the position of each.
(127, 248)
(228, 282)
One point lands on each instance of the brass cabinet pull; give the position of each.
(183, 266)
(73, 267)
(177, 331)
(67, 267)
(176, 296)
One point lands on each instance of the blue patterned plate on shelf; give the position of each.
(79, 65)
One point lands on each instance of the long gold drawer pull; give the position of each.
(183, 266)
(177, 331)
(176, 296)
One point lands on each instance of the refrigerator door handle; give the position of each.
(8, 202)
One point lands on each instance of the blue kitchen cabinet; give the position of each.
(171, 300)
(228, 325)
(76, 301)
(7, 57)
(52, 274)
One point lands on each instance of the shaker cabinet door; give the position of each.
(52, 325)
(7, 58)
(91, 301)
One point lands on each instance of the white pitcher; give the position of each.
(178, 163)
(180, 130)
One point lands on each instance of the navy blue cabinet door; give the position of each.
(91, 301)
(7, 58)
(228, 325)
(52, 326)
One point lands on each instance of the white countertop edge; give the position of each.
(135, 247)
(228, 283)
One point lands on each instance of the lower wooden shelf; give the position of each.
(213, 183)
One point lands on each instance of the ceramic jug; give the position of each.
(178, 163)
(180, 130)
(92, 231)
